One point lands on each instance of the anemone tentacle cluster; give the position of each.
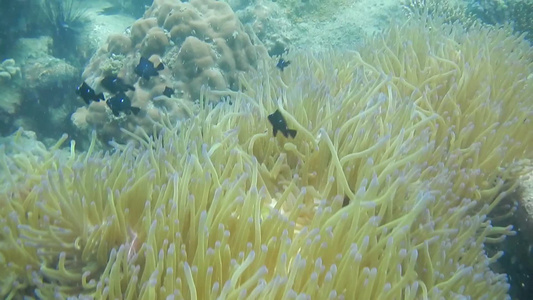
(402, 150)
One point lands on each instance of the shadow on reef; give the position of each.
(517, 260)
(49, 116)
(17, 19)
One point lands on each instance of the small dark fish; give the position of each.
(282, 64)
(345, 201)
(88, 94)
(115, 85)
(278, 123)
(121, 103)
(146, 68)
(168, 91)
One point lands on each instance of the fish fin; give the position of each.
(275, 131)
(346, 201)
(160, 67)
(130, 87)
(291, 132)
(100, 97)
(87, 101)
(135, 110)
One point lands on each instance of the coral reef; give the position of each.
(135, 8)
(9, 95)
(450, 10)
(490, 11)
(264, 19)
(38, 95)
(521, 15)
(200, 42)
(495, 12)
(47, 96)
(13, 89)
(402, 151)
(299, 10)
(17, 19)
(8, 70)
(64, 21)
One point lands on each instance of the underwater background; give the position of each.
(141, 158)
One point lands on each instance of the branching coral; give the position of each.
(402, 150)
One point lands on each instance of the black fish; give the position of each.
(345, 201)
(146, 68)
(278, 123)
(88, 94)
(115, 85)
(121, 102)
(282, 64)
(168, 91)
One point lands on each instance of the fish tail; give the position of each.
(100, 97)
(292, 133)
(135, 110)
(275, 131)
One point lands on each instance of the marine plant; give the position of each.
(402, 150)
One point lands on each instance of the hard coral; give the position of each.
(140, 28)
(10, 97)
(118, 44)
(201, 43)
(8, 69)
(155, 42)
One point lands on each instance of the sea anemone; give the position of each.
(402, 151)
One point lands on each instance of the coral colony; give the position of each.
(202, 44)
